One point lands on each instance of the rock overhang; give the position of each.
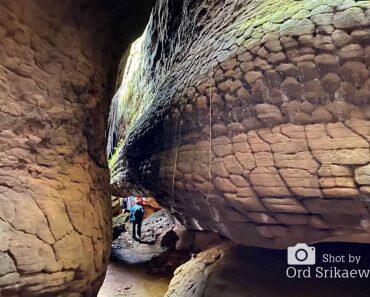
(258, 122)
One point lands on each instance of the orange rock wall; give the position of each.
(260, 122)
(291, 182)
(55, 212)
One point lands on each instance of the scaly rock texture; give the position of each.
(55, 215)
(250, 118)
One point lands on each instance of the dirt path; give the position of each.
(128, 280)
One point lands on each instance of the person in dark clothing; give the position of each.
(136, 217)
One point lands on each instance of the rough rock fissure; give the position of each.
(210, 138)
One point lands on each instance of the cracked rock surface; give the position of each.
(55, 212)
(255, 122)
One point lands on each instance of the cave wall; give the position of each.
(57, 69)
(253, 119)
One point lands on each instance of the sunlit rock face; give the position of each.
(251, 119)
(55, 213)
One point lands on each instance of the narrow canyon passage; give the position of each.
(241, 128)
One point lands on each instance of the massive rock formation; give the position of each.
(248, 118)
(55, 216)
(251, 118)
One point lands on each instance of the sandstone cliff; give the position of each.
(251, 118)
(248, 118)
(56, 76)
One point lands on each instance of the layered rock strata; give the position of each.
(55, 213)
(254, 121)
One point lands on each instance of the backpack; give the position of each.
(138, 213)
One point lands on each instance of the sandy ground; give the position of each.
(126, 280)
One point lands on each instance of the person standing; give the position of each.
(127, 203)
(136, 217)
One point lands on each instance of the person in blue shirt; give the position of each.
(136, 217)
